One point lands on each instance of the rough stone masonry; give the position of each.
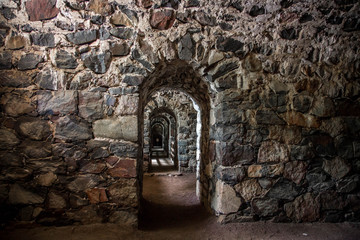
(277, 84)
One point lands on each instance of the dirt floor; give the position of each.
(172, 211)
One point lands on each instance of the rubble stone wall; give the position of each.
(277, 83)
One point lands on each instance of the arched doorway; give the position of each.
(178, 75)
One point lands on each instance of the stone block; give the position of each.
(33, 128)
(268, 117)
(8, 139)
(102, 7)
(43, 39)
(84, 182)
(55, 103)
(317, 180)
(302, 120)
(56, 201)
(122, 32)
(144, 3)
(124, 149)
(128, 105)
(302, 102)
(301, 153)
(120, 19)
(120, 49)
(97, 195)
(224, 200)
(272, 151)
(41, 9)
(82, 37)
(331, 201)
(47, 79)
(124, 168)
(5, 60)
(124, 128)
(94, 168)
(14, 78)
(287, 134)
(46, 179)
(252, 63)
(19, 195)
(91, 105)
(295, 171)
(29, 61)
(229, 45)
(337, 167)
(98, 62)
(186, 48)
(124, 192)
(162, 19)
(256, 171)
(305, 208)
(283, 189)
(24, 104)
(265, 207)
(232, 154)
(35, 149)
(15, 42)
(65, 60)
(323, 107)
(71, 129)
(249, 189)
(230, 175)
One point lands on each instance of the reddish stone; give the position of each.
(97, 195)
(112, 160)
(162, 19)
(41, 9)
(295, 171)
(144, 3)
(125, 168)
(305, 208)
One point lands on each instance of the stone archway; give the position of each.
(178, 75)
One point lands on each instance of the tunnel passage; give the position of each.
(179, 76)
(177, 113)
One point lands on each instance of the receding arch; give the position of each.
(179, 75)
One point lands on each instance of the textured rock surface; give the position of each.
(41, 9)
(162, 19)
(83, 83)
(29, 61)
(62, 102)
(82, 37)
(304, 208)
(19, 195)
(249, 189)
(226, 200)
(98, 62)
(121, 128)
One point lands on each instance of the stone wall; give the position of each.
(276, 83)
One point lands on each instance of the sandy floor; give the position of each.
(173, 212)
